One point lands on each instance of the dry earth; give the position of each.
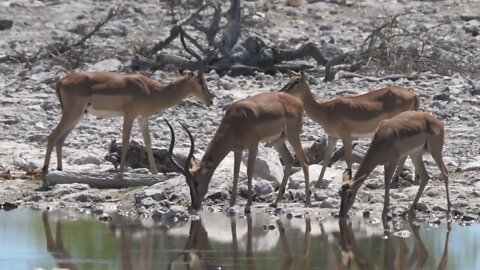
(30, 110)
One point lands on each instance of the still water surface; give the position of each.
(39, 240)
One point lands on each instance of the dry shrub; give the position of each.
(393, 47)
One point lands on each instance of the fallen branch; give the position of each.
(103, 180)
(393, 77)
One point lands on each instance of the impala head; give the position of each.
(194, 174)
(298, 84)
(196, 80)
(348, 192)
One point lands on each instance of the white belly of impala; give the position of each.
(103, 113)
(415, 150)
(363, 135)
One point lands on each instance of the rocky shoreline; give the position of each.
(30, 110)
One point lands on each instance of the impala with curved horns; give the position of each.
(106, 94)
(411, 134)
(346, 118)
(271, 117)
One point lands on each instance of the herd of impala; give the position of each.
(390, 115)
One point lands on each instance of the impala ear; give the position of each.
(186, 72)
(193, 163)
(347, 176)
(303, 77)
(292, 73)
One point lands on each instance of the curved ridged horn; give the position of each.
(192, 148)
(201, 66)
(170, 152)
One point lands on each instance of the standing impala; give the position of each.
(271, 117)
(409, 133)
(107, 94)
(351, 117)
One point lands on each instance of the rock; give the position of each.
(227, 85)
(155, 194)
(36, 198)
(263, 187)
(296, 183)
(267, 164)
(473, 165)
(422, 207)
(475, 89)
(5, 24)
(320, 196)
(113, 30)
(148, 202)
(22, 165)
(445, 96)
(37, 138)
(438, 105)
(159, 75)
(96, 209)
(87, 160)
(111, 65)
(297, 194)
(330, 203)
(105, 217)
(174, 214)
(217, 194)
(83, 196)
(402, 234)
(468, 218)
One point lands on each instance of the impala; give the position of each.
(105, 94)
(407, 134)
(351, 117)
(271, 117)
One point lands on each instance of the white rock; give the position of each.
(106, 65)
(86, 160)
(473, 165)
(267, 164)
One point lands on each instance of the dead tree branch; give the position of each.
(175, 31)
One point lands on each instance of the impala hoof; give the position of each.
(247, 210)
(232, 211)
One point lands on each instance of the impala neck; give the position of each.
(313, 108)
(217, 150)
(170, 94)
(368, 164)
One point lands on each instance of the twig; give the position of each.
(111, 13)
(175, 31)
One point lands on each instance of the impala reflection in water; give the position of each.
(46, 240)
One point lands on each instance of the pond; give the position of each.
(32, 239)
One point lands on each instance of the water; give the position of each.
(33, 239)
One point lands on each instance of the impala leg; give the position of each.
(59, 146)
(347, 149)
(127, 130)
(420, 168)
(389, 170)
(435, 145)
(236, 172)
(252, 156)
(67, 122)
(288, 163)
(296, 143)
(143, 123)
(401, 164)
(331, 143)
